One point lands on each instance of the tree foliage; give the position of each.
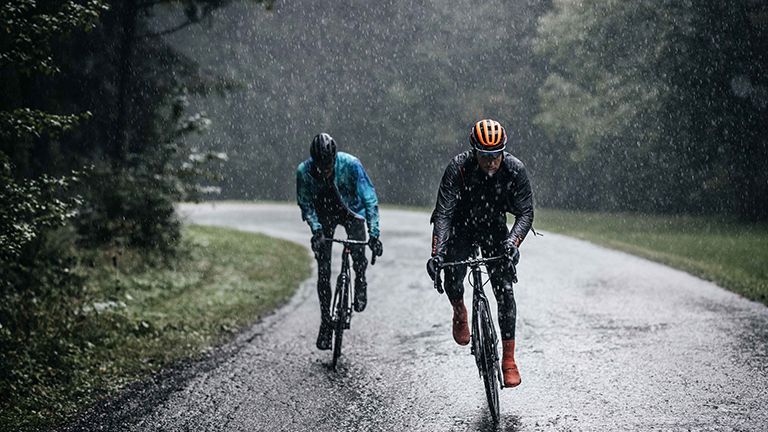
(33, 206)
(29, 27)
(661, 106)
(30, 208)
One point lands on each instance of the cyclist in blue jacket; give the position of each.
(332, 188)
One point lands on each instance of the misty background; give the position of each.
(633, 107)
(397, 84)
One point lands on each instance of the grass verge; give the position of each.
(134, 319)
(732, 254)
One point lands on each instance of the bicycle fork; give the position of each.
(343, 285)
(478, 297)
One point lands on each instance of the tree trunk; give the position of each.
(129, 19)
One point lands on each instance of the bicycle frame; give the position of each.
(341, 315)
(484, 338)
(344, 280)
(480, 302)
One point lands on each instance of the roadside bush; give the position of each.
(37, 282)
(37, 316)
(129, 208)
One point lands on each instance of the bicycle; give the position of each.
(341, 315)
(484, 340)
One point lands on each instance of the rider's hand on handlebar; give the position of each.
(433, 266)
(512, 251)
(317, 242)
(376, 247)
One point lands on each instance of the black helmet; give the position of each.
(323, 150)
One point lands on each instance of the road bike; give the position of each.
(484, 342)
(341, 314)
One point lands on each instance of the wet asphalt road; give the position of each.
(606, 341)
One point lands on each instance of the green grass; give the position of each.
(156, 315)
(732, 254)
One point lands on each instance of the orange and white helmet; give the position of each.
(488, 136)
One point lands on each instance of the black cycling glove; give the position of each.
(376, 247)
(433, 266)
(512, 251)
(317, 242)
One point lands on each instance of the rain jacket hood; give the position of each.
(355, 190)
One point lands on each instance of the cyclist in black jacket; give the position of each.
(479, 187)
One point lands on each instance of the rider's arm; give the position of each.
(367, 194)
(447, 197)
(304, 198)
(522, 205)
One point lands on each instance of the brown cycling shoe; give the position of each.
(460, 324)
(508, 366)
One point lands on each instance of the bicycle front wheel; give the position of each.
(489, 360)
(340, 312)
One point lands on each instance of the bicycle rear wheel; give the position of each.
(488, 361)
(340, 312)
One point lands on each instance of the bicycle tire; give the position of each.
(488, 362)
(340, 309)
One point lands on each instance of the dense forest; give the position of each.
(653, 108)
(658, 107)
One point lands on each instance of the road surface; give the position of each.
(606, 341)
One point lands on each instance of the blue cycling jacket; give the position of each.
(355, 190)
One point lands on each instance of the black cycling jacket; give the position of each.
(468, 198)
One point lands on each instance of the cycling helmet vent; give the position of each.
(323, 150)
(488, 136)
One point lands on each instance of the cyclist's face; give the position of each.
(325, 172)
(489, 163)
(326, 169)
(328, 172)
